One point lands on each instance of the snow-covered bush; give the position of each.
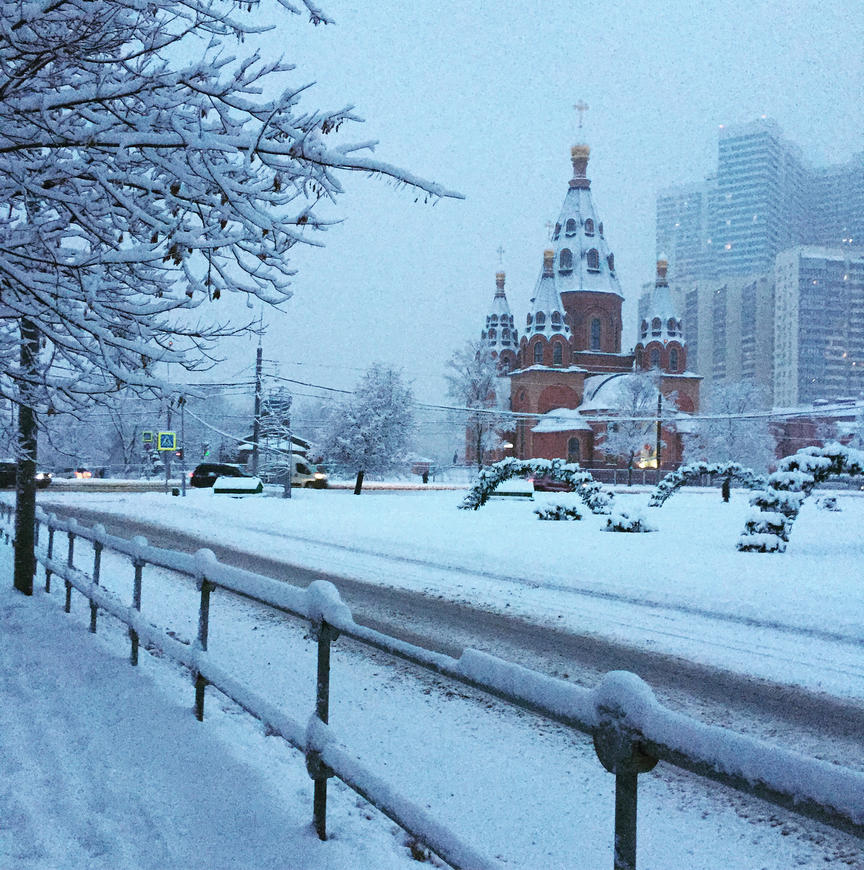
(596, 498)
(559, 512)
(794, 480)
(628, 521)
(827, 503)
(745, 477)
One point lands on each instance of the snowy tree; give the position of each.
(371, 431)
(634, 422)
(145, 170)
(473, 381)
(732, 430)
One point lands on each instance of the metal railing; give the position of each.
(631, 731)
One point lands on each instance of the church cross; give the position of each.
(581, 107)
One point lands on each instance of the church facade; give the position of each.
(570, 382)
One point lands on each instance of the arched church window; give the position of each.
(493, 319)
(556, 318)
(538, 354)
(670, 325)
(644, 328)
(493, 333)
(528, 320)
(611, 261)
(557, 354)
(557, 231)
(570, 227)
(505, 333)
(589, 227)
(596, 328)
(656, 326)
(655, 358)
(673, 359)
(601, 228)
(573, 450)
(639, 358)
(540, 320)
(565, 260)
(593, 259)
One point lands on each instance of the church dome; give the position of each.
(500, 332)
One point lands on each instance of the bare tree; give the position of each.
(143, 173)
(474, 382)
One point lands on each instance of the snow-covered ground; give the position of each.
(90, 737)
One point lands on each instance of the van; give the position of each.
(306, 475)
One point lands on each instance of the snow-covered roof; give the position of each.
(562, 420)
(500, 332)
(606, 392)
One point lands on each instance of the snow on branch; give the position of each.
(688, 473)
(596, 498)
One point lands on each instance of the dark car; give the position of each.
(545, 483)
(7, 476)
(205, 474)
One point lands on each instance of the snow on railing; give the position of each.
(631, 730)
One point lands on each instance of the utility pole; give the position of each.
(166, 454)
(659, 418)
(182, 401)
(256, 423)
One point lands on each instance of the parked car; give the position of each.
(8, 471)
(545, 483)
(308, 476)
(205, 474)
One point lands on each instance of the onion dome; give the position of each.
(661, 322)
(499, 333)
(582, 259)
(547, 312)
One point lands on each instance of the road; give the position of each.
(815, 723)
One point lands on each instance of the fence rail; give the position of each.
(631, 731)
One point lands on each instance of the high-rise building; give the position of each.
(835, 214)
(818, 325)
(683, 230)
(759, 203)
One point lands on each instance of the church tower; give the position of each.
(661, 342)
(500, 334)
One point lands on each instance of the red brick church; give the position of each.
(567, 373)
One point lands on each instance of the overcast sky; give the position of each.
(479, 97)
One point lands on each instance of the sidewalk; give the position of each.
(99, 768)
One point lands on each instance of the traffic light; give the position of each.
(206, 448)
(179, 452)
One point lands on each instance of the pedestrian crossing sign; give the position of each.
(167, 441)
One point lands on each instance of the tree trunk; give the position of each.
(25, 477)
(630, 471)
(726, 488)
(359, 484)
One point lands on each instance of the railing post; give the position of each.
(69, 564)
(317, 770)
(50, 554)
(97, 566)
(203, 632)
(616, 742)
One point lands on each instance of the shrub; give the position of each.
(559, 512)
(628, 521)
